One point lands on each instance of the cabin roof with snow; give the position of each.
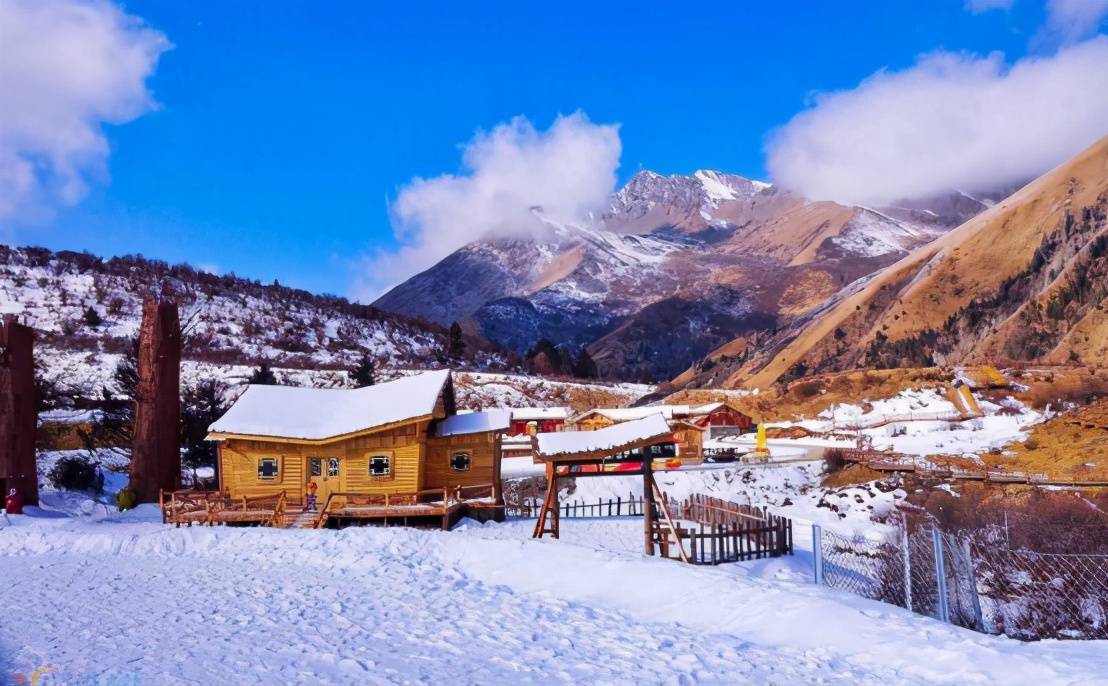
(319, 414)
(626, 414)
(474, 422)
(571, 445)
(531, 414)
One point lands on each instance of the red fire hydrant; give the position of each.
(13, 504)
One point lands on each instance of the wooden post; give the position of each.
(549, 506)
(156, 447)
(18, 411)
(647, 505)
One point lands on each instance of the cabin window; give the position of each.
(332, 466)
(380, 466)
(315, 466)
(269, 468)
(459, 462)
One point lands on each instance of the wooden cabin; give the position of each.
(690, 441)
(722, 419)
(399, 443)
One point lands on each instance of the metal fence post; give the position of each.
(907, 570)
(817, 553)
(940, 575)
(979, 622)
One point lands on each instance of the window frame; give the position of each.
(276, 468)
(469, 460)
(389, 474)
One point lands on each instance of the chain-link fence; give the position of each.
(976, 583)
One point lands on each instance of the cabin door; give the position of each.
(326, 474)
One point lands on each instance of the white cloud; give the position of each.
(66, 68)
(950, 121)
(1068, 21)
(979, 6)
(567, 170)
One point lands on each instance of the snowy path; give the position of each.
(477, 606)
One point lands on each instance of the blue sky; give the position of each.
(283, 131)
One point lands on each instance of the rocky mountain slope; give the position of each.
(676, 267)
(89, 307)
(1025, 281)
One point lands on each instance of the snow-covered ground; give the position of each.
(919, 432)
(127, 600)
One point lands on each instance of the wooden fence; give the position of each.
(723, 531)
(610, 507)
(709, 530)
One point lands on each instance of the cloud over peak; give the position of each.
(568, 170)
(68, 67)
(950, 121)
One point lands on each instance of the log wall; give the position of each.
(405, 444)
(484, 467)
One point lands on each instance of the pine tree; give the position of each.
(584, 367)
(364, 373)
(457, 344)
(201, 405)
(92, 318)
(546, 358)
(263, 376)
(114, 426)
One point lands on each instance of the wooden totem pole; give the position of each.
(18, 411)
(156, 448)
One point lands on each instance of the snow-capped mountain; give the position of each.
(675, 267)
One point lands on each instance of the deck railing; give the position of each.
(444, 497)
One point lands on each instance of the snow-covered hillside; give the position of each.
(79, 302)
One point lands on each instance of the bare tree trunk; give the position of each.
(18, 411)
(156, 450)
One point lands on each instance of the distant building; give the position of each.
(528, 420)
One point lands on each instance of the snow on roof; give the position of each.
(611, 438)
(625, 414)
(321, 413)
(530, 414)
(474, 422)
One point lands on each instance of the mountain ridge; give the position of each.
(1024, 281)
(703, 257)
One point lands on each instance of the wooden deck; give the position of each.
(217, 507)
(441, 507)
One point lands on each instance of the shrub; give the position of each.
(77, 473)
(834, 459)
(126, 499)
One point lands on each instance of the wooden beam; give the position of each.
(593, 455)
(657, 492)
(648, 507)
(549, 506)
